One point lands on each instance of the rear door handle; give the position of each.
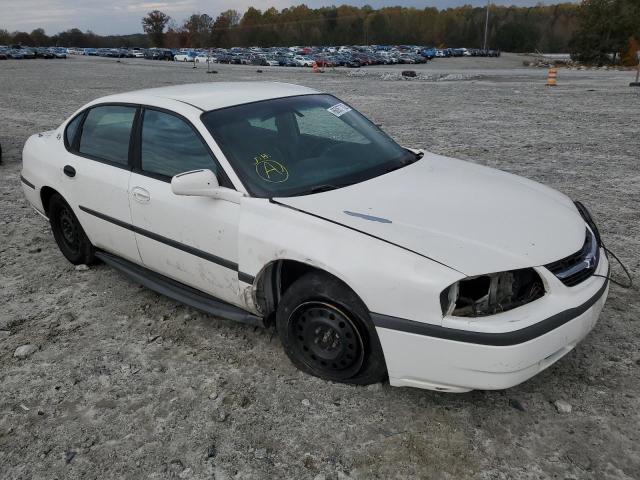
(140, 195)
(69, 171)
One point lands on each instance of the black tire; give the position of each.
(70, 237)
(326, 331)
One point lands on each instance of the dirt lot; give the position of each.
(128, 384)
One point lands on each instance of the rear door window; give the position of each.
(106, 133)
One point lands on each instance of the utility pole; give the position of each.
(486, 26)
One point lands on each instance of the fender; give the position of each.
(385, 277)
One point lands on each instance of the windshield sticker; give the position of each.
(270, 170)
(339, 109)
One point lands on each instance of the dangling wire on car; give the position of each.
(626, 271)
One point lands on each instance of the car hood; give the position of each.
(471, 218)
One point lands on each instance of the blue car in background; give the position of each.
(429, 53)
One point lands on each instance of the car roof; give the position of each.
(214, 95)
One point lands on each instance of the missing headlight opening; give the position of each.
(493, 293)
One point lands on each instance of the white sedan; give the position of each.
(185, 57)
(272, 203)
(301, 61)
(204, 58)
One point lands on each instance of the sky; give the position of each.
(123, 16)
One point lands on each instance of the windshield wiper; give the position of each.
(415, 157)
(404, 163)
(319, 188)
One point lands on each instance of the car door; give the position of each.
(95, 176)
(193, 240)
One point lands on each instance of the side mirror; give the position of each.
(202, 183)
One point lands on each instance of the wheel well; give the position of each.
(275, 279)
(45, 196)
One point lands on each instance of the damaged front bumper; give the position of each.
(495, 352)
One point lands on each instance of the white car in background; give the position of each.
(204, 58)
(303, 61)
(273, 203)
(184, 57)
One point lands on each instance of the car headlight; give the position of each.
(489, 294)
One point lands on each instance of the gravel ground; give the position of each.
(124, 383)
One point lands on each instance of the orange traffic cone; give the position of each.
(315, 67)
(552, 78)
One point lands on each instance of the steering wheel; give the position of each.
(328, 157)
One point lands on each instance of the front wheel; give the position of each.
(68, 233)
(326, 331)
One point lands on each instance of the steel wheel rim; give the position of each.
(326, 339)
(68, 229)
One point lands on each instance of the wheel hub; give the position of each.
(327, 339)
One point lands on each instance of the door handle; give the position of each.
(141, 195)
(69, 171)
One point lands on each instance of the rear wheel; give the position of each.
(326, 331)
(68, 233)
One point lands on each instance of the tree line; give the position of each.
(595, 30)
(515, 29)
(73, 37)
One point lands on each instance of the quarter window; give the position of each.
(106, 133)
(170, 146)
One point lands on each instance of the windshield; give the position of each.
(303, 144)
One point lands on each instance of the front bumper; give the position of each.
(458, 360)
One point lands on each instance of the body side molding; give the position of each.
(244, 277)
(27, 182)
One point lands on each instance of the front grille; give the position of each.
(576, 268)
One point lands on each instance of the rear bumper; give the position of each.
(438, 358)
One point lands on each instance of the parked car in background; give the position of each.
(185, 57)
(301, 61)
(15, 54)
(323, 61)
(286, 61)
(59, 52)
(204, 58)
(159, 54)
(350, 56)
(28, 53)
(42, 52)
(259, 61)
